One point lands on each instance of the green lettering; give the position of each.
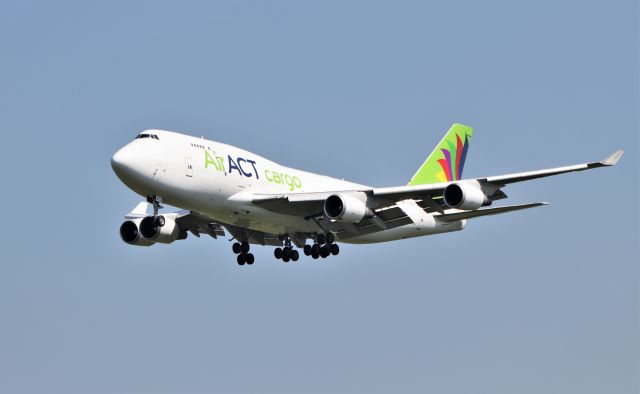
(208, 160)
(281, 178)
(288, 181)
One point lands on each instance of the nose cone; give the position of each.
(122, 161)
(131, 164)
(136, 165)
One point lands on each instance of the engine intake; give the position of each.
(163, 229)
(465, 196)
(130, 233)
(347, 208)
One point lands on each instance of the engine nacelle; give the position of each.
(465, 196)
(350, 208)
(163, 230)
(130, 233)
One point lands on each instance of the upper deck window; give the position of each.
(153, 136)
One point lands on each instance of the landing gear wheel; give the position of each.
(334, 249)
(295, 255)
(314, 255)
(324, 251)
(286, 253)
(315, 249)
(330, 238)
(278, 253)
(160, 221)
(245, 247)
(236, 248)
(241, 259)
(249, 258)
(320, 238)
(307, 250)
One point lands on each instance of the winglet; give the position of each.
(613, 158)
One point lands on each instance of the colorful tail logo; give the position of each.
(446, 161)
(453, 161)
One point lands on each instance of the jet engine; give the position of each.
(163, 229)
(350, 208)
(465, 196)
(130, 233)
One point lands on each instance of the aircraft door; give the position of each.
(188, 167)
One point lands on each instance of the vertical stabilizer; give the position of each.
(446, 162)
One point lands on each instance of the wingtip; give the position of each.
(613, 158)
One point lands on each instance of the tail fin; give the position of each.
(446, 162)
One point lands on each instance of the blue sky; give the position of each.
(541, 301)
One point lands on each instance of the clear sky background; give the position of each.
(540, 301)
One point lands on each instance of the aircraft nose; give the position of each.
(121, 161)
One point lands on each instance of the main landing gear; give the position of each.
(287, 253)
(242, 250)
(323, 247)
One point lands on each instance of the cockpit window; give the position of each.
(153, 136)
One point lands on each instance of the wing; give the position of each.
(197, 224)
(452, 217)
(611, 160)
(191, 221)
(384, 200)
(255, 237)
(491, 185)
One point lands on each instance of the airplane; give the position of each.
(221, 187)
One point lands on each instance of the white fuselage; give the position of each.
(217, 180)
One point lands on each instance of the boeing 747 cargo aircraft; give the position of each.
(259, 202)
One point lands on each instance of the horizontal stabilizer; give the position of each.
(452, 217)
(139, 211)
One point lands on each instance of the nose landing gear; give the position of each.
(156, 201)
